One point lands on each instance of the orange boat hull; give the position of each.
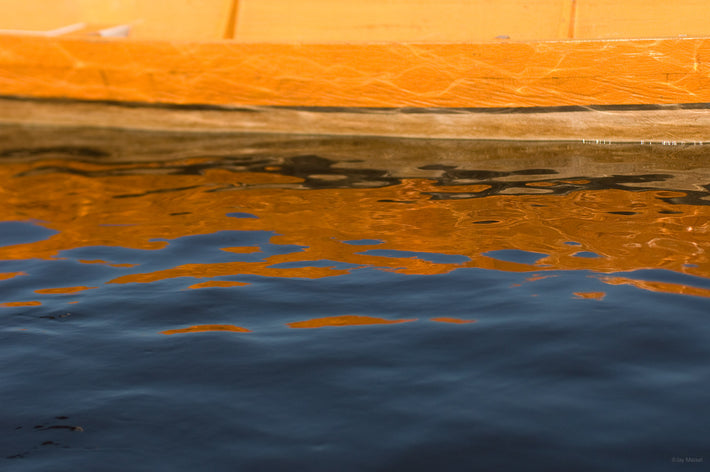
(607, 89)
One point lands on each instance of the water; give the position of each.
(175, 302)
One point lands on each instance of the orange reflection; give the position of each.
(228, 268)
(99, 261)
(11, 275)
(536, 277)
(345, 320)
(242, 249)
(63, 290)
(218, 283)
(17, 304)
(663, 287)
(628, 230)
(590, 295)
(542, 184)
(444, 319)
(206, 328)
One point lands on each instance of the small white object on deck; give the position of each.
(120, 31)
(49, 33)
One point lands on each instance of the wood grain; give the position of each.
(441, 75)
(668, 126)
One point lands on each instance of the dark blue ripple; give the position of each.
(587, 254)
(20, 232)
(515, 255)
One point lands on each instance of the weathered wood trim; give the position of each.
(688, 125)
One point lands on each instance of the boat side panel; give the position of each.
(641, 18)
(149, 19)
(227, 73)
(401, 20)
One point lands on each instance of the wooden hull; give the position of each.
(603, 89)
(667, 126)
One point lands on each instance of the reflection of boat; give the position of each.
(550, 69)
(328, 206)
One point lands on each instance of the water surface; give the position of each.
(174, 302)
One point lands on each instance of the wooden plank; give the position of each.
(534, 74)
(401, 20)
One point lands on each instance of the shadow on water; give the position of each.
(260, 302)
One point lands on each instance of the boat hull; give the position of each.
(611, 90)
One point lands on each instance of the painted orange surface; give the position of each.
(401, 20)
(149, 19)
(345, 320)
(641, 18)
(466, 20)
(359, 75)
(206, 328)
(290, 21)
(371, 53)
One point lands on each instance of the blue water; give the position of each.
(546, 378)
